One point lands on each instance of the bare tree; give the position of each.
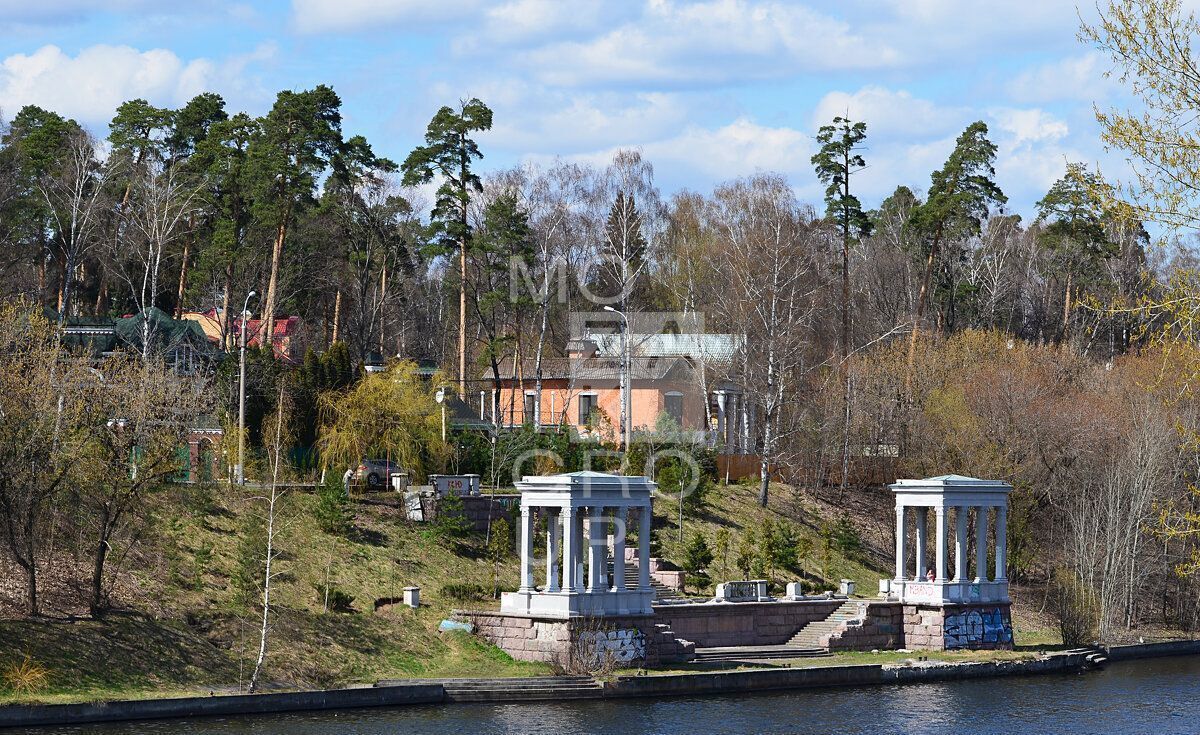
(272, 501)
(767, 242)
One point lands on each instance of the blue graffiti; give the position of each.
(969, 629)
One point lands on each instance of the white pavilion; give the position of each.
(582, 510)
(963, 497)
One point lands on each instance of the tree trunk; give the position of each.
(226, 343)
(337, 317)
(96, 606)
(267, 329)
(462, 315)
(183, 267)
(1065, 333)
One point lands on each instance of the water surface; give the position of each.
(1160, 696)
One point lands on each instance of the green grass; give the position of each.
(204, 635)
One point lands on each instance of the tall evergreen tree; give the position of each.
(448, 154)
(294, 146)
(961, 194)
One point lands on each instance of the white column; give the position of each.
(981, 524)
(596, 544)
(1001, 544)
(719, 444)
(552, 535)
(960, 544)
(901, 532)
(526, 549)
(644, 549)
(570, 549)
(621, 526)
(939, 554)
(580, 567)
(922, 528)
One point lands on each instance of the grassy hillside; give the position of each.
(183, 623)
(186, 623)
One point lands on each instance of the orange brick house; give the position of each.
(681, 376)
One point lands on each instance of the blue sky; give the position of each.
(709, 89)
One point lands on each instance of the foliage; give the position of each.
(333, 508)
(334, 599)
(465, 591)
(388, 414)
(450, 525)
(1074, 606)
(26, 677)
(697, 556)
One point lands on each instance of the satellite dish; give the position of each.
(440, 396)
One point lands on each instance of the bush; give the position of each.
(1074, 605)
(332, 512)
(26, 677)
(696, 558)
(450, 523)
(332, 598)
(843, 537)
(467, 591)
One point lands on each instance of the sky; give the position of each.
(709, 90)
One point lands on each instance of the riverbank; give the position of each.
(746, 681)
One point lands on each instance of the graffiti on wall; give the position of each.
(971, 628)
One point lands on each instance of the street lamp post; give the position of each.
(241, 463)
(626, 380)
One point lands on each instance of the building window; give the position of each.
(673, 406)
(587, 405)
(530, 407)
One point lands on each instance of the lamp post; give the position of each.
(241, 463)
(626, 379)
(440, 397)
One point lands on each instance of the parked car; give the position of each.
(375, 472)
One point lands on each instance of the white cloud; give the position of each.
(742, 147)
(322, 16)
(888, 113)
(1079, 78)
(714, 41)
(1029, 126)
(90, 85)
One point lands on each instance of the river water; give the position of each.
(1160, 696)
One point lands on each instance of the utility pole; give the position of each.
(241, 463)
(626, 379)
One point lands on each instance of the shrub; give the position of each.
(450, 524)
(334, 599)
(332, 511)
(1074, 605)
(468, 591)
(26, 677)
(696, 558)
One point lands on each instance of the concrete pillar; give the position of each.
(939, 553)
(960, 544)
(552, 536)
(1001, 544)
(526, 548)
(619, 528)
(644, 549)
(596, 543)
(901, 532)
(981, 525)
(570, 549)
(580, 582)
(922, 528)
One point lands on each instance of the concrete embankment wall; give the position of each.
(236, 704)
(1153, 650)
(743, 623)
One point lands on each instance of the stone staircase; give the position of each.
(522, 690)
(662, 593)
(739, 654)
(666, 647)
(816, 634)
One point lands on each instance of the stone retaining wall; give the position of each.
(635, 640)
(982, 626)
(716, 624)
(881, 626)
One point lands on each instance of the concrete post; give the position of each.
(570, 549)
(981, 525)
(596, 544)
(960, 544)
(719, 444)
(939, 554)
(644, 549)
(620, 527)
(1001, 544)
(901, 532)
(526, 549)
(579, 568)
(552, 535)
(922, 528)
